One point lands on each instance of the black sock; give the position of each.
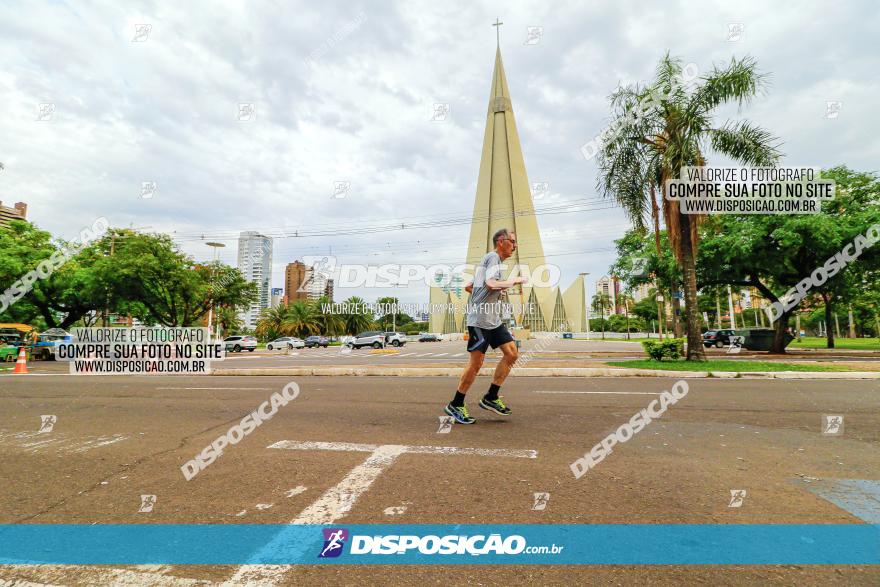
(492, 394)
(458, 400)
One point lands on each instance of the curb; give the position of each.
(379, 371)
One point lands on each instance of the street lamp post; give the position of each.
(586, 303)
(214, 246)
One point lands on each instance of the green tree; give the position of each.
(358, 318)
(147, 276)
(389, 320)
(71, 291)
(601, 302)
(301, 319)
(772, 253)
(664, 127)
(329, 322)
(270, 324)
(228, 320)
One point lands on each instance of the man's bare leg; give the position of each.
(491, 401)
(511, 354)
(471, 371)
(456, 407)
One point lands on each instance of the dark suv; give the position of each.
(316, 341)
(718, 338)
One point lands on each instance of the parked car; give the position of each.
(373, 338)
(48, 341)
(286, 342)
(429, 338)
(237, 344)
(316, 341)
(395, 339)
(8, 353)
(15, 334)
(718, 338)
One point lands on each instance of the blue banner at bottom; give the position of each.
(614, 544)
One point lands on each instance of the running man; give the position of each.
(486, 329)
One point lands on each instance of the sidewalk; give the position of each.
(444, 371)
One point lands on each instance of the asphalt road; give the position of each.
(541, 352)
(116, 438)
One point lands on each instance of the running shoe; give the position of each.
(495, 405)
(460, 413)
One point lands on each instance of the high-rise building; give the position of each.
(277, 297)
(294, 277)
(255, 263)
(302, 282)
(609, 287)
(328, 289)
(319, 285)
(641, 292)
(19, 212)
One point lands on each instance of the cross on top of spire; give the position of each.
(497, 26)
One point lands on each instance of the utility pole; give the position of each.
(214, 246)
(730, 308)
(587, 303)
(106, 318)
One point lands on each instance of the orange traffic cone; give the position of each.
(21, 363)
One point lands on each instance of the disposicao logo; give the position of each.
(334, 540)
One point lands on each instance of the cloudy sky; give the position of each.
(344, 92)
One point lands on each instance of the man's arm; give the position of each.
(498, 284)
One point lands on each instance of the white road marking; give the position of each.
(408, 355)
(345, 446)
(101, 575)
(440, 354)
(59, 441)
(101, 441)
(458, 354)
(338, 501)
(605, 392)
(217, 388)
(443, 450)
(395, 510)
(425, 354)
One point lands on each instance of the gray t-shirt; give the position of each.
(484, 307)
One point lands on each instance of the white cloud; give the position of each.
(165, 109)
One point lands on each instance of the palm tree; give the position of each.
(227, 318)
(301, 319)
(328, 322)
(271, 322)
(624, 299)
(359, 319)
(600, 302)
(675, 128)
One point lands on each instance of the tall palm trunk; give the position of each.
(676, 311)
(695, 350)
(829, 313)
(655, 214)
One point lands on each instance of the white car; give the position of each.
(236, 344)
(286, 342)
